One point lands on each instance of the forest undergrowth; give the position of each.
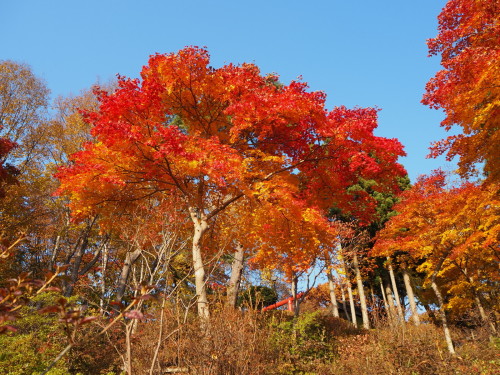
(246, 342)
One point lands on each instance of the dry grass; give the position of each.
(241, 343)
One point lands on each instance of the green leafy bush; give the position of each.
(36, 343)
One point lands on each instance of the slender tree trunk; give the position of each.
(75, 267)
(351, 303)
(200, 227)
(104, 267)
(395, 289)
(361, 292)
(411, 297)
(333, 298)
(390, 302)
(375, 311)
(128, 359)
(384, 298)
(442, 313)
(344, 305)
(160, 338)
(55, 251)
(484, 317)
(80, 248)
(296, 305)
(130, 259)
(477, 298)
(482, 313)
(349, 292)
(235, 280)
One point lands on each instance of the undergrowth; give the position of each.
(240, 343)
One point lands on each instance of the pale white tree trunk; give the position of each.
(333, 298)
(361, 292)
(160, 338)
(349, 293)
(104, 267)
(351, 303)
(75, 266)
(442, 313)
(295, 284)
(55, 251)
(130, 259)
(200, 226)
(477, 299)
(390, 302)
(128, 358)
(482, 312)
(344, 305)
(411, 297)
(235, 280)
(384, 298)
(395, 289)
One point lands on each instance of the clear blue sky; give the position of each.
(364, 53)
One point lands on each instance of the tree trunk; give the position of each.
(333, 298)
(442, 315)
(235, 280)
(128, 358)
(395, 290)
(484, 317)
(79, 249)
(200, 227)
(344, 305)
(482, 312)
(349, 292)
(75, 267)
(160, 339)
(477, 298)
(104, 267)
(296, 305)
(411, 297)
(375, 307)
(384, 298)
(55, 251)
(372, 294)
(351, 303)
(390, 302)
(130, 259)
(361, 292)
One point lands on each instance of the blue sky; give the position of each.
(360, 53)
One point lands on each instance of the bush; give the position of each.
(36, 343)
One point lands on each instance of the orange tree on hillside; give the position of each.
(452, 235)
(205, 138)
(468, 88)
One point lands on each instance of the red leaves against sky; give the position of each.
(192, 130)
